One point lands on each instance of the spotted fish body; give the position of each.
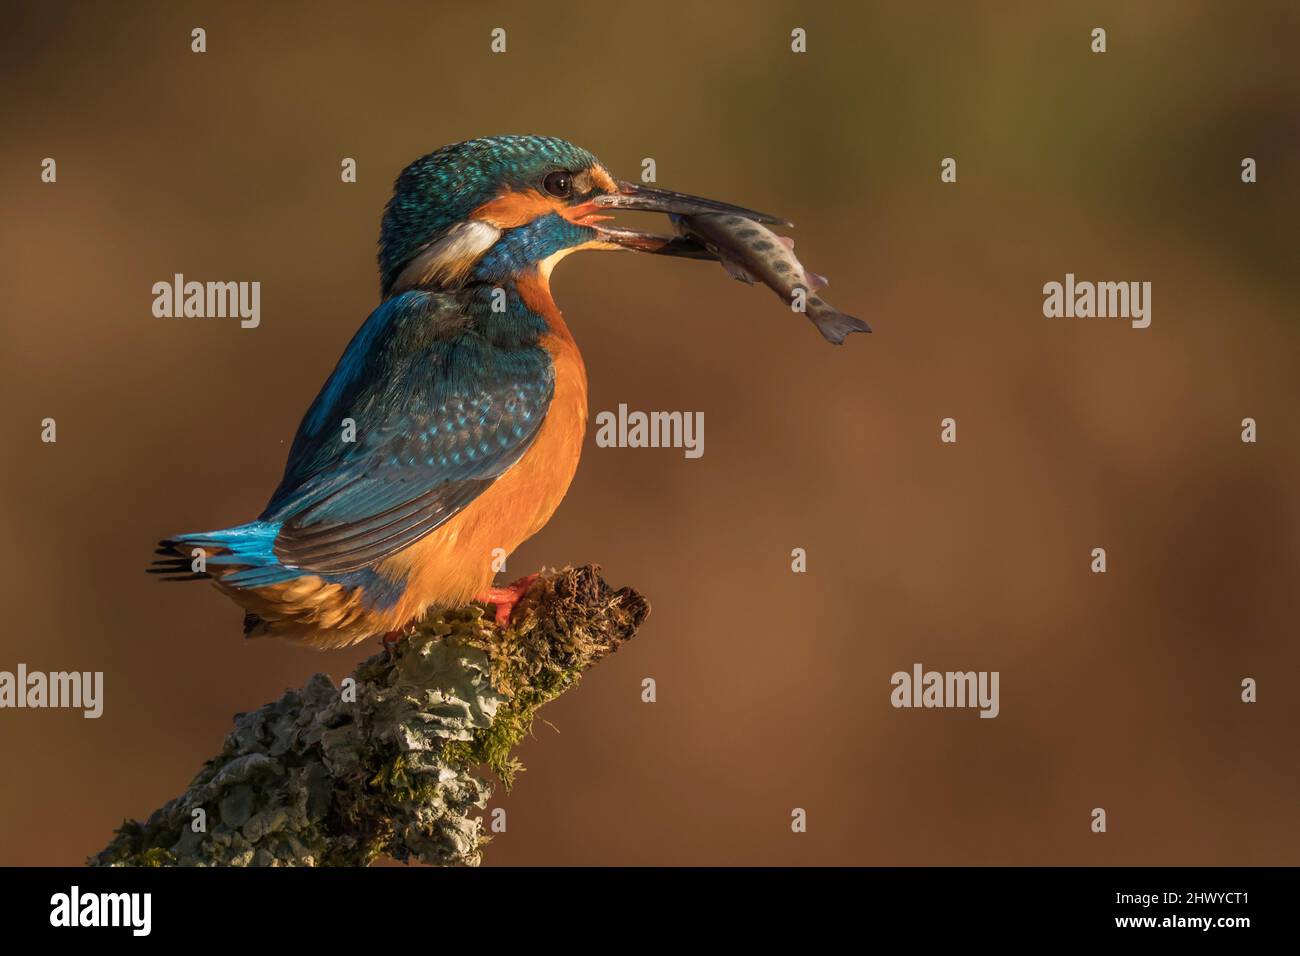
(750, 251)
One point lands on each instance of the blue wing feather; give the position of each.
(440, 413)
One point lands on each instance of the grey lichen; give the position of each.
(387, 763)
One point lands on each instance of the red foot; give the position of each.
(507, 597)
(390, 641)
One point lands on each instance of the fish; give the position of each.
(751, 252)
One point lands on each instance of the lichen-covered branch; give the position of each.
(386, 763)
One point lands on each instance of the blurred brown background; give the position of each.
(1118, 690)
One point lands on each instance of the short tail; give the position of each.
(241, 557)
(833, 324)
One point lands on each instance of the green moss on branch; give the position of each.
(387, 763)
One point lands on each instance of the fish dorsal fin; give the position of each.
(787, 242)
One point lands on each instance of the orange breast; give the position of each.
(454, 564)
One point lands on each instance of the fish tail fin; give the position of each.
(833, 324)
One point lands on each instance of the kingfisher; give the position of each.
(450, 428)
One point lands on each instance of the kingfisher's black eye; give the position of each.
(559, 184)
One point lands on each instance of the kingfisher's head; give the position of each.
(491, 208)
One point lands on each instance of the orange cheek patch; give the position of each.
(516, 208)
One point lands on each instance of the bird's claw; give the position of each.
(505, 598)
(390, 641)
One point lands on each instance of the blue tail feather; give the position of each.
(250, 548)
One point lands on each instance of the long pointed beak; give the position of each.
(638, 198)
(632, 196)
